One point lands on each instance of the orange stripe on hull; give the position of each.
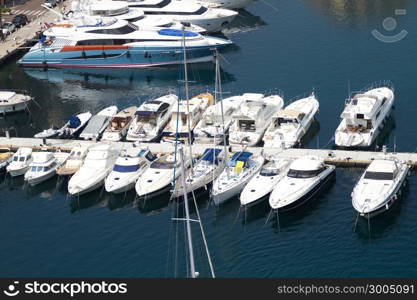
(94, 47)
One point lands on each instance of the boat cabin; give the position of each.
(22, 155)
(151, 112)
(382, 170)
(287, 117)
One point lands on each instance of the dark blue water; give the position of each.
(320, 44)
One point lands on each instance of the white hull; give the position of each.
(17, 171)
(39, 179)
(13, 107)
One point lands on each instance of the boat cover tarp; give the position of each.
(211, 154)
(177, 32)
(144, 112)
(95, 125)
(239, 156)
(74, 122)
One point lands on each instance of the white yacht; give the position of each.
(363, 117)
(43, 166)
(262, 184)
(212, 19)
(97, 165)
(74, 125)
(240, 169)
(151, 118)
(203, 173)
(379, 186)
(98, 9)
(253, 118)
(158, 178)
(289, 125)
(129, 166)
(229, 4)
(98, 124)
(209, 129)
(20, 162)
(119, 125)
(180, 119)
(305, 178)
(74, 161)
(13, 102)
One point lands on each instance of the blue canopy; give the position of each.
(176, 32)
(210, 154)
(74, 122)
(239, 156)
(126, 169)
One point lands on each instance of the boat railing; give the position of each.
(300, 96)
(17, 91)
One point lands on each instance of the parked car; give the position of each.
(20, 20)
(51, 3)
(8, 28)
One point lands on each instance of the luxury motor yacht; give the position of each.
(43, 166)
(113, 43)
(20, 162)
(180, 119)
(212, 19)
(13, 102)
(230, 4)
(209, 129)
(74, 125)
(119, 125)
(203, 173)
(262, 184)
(129, 166)
(305, 178)
(74, 162)
(97, 165)
(363, 117)
(151, 118)
(159, 177)
(253, 118)
(121, 10)
(379, 186)
(98, 124)
(240, 169)
(289, 125)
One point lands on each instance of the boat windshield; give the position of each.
(19, 158)
(247, 125)
(303, 174)
(269, 172)
(125, 169)
(379, 175)
(162, 165)
(36, 169)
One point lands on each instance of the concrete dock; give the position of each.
(339, 158)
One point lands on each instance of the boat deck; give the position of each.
(339, 158)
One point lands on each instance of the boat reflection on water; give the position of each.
(245, 21)
(88, 200)
(154, 205)
(148, 81)
(117, 201)
(358, 12)
(17, 124)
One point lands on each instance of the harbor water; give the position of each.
(289, 46)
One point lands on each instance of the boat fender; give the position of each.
(386, 206)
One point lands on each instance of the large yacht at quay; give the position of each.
(117, 44)
(363, 117)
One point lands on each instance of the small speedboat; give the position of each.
(158, 178)
(5, 158)
(379, 186)
(73, 163)
(304, 179)
(20, 162)
(98, 123)
(47, 133)
(151, 118)
(74, 125)
(97, 165)
(240, 169)
(363, 117)
(13, 102)
(262, 184)
(119, 125)
(289, 125)
(201, 176)
(43, 166)
(129, 166)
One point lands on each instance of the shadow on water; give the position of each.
(310, 135)
(16, 121)
(88, 200)
(117, 201)
(381, 224)
(245, 21)
(153, 205)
